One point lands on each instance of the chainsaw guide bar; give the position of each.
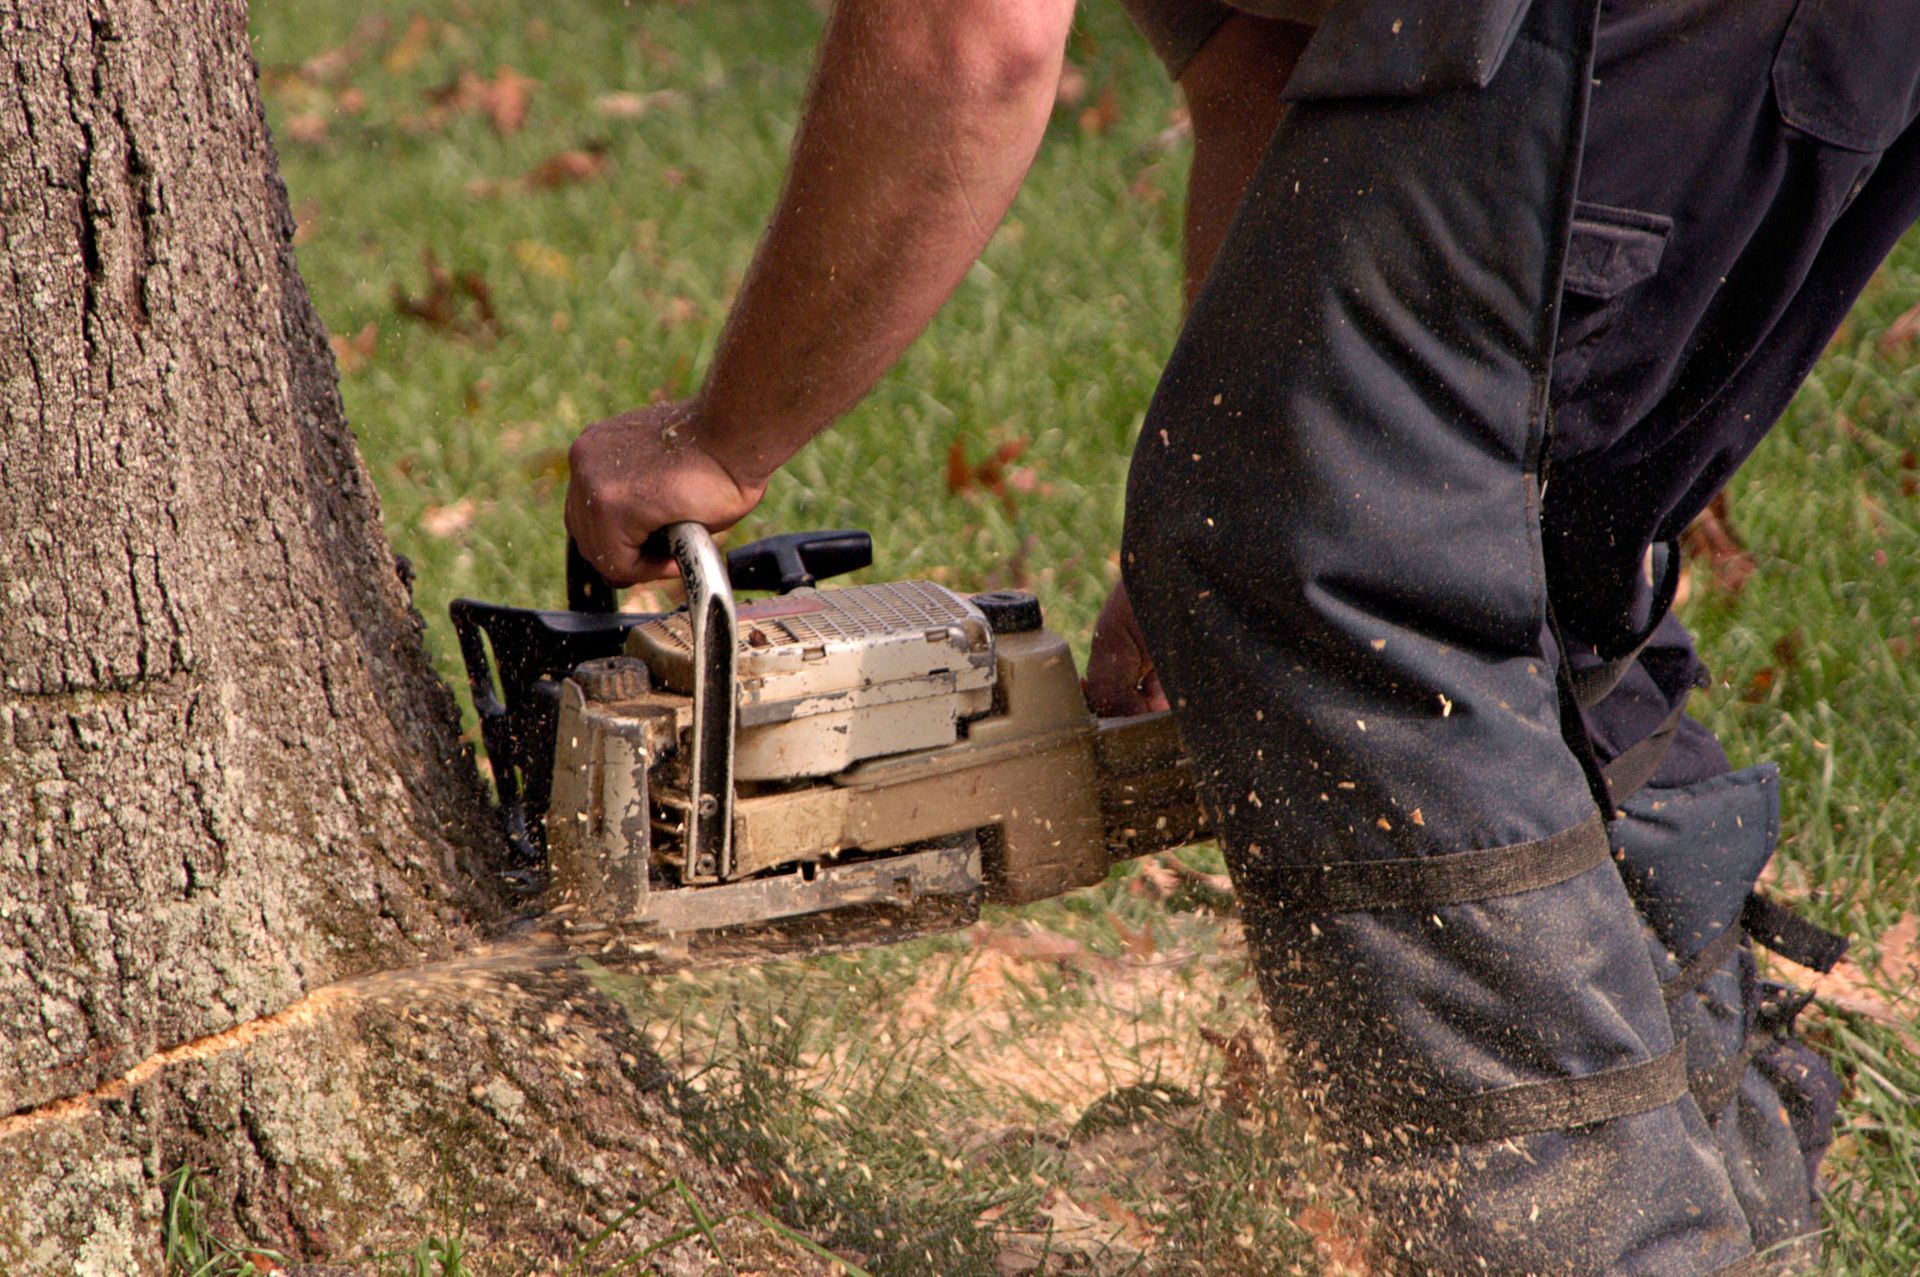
(806, 772)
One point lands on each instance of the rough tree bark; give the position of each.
(244, 866)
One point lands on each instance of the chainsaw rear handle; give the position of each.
(784, 563)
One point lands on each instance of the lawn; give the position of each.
(516, 218)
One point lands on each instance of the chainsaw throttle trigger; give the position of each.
(798, 560)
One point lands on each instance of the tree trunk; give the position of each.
(231, 789)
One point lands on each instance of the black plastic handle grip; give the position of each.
(796, 560)
(783, 563)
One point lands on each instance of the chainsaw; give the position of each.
(815, 754)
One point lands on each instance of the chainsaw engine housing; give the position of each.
(886, 739)
(845, 753)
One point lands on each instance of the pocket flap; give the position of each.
(1846, 72)
(1612, 249)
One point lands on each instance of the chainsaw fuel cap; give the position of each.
(1009, 611)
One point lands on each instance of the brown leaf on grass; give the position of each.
(1217, 884)
(448, 520)
(406, 52)
(676, 311)
(1711, 537)
(306, 219)
(308, 128)
(542, 259)
(1146, 188)
(1902, 646)
(504, 99)
(1884, 991)
(440, 306)
(332, 65)
(1103, 114)
(959, 472)
(1901, 332)
(563, 168)
(1096, 1240)
(634, 106)
(355, 352)
(992, 473)
(1786, 654)
(655, 53)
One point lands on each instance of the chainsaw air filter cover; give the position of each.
(830, 677)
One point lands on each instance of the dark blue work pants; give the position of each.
(1473, 345)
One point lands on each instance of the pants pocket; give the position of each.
(1848, 71)
(1609, 252)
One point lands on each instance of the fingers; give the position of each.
(634, 474)
(1120, 676)
(613, 550)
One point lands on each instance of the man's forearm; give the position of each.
(921, 122)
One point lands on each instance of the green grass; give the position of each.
(611, 290)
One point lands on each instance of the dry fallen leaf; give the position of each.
(1885, 991)
(355, 352)
(563, 168)
(1244, 1072)
(992, 473)
(306, 219)
(309, 128)
(1901, 332)
(1032, 944)
(448, 520)
(1711, 537)
(633, 106)
(567, 167)
(542, 259)
(504, 99)
(439, 306)
(1155, 879)
(407, 50)
(677, 311)
(1103, 114)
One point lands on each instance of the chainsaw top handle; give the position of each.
(713, 627)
